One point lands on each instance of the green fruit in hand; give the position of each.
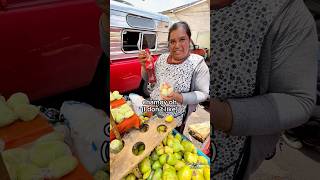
(206, 172)
(164, 141)
(157, 174)
(185, 173)
(170, 136)
(190, 157)
(141, 147)
(171, 159)
(168, 150)
(154, 156)
(146, 175)
(188, 146)
(178, 156)
(163, 159)
(179, 165)
(145, 165)
(178, 137)
(131, 177)
(156, 165)
(202, 160)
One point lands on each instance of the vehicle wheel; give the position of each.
(143, 90)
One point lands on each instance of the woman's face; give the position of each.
(179, 44)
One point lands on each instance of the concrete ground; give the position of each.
(288, 164)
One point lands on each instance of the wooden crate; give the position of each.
(123, 162)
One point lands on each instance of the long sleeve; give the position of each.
(201, 80)
(292, 79)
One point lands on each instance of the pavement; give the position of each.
(288, 163)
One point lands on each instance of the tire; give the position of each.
(143, 90)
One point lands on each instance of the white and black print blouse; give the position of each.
(177, 75)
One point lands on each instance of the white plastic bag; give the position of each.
(137, 103)
(87, 132)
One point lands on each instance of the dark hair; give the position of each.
(182, 24)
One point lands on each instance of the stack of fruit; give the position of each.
(122, 112)
(173, 159)
(115, 95)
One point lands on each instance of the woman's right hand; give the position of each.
(143, 57)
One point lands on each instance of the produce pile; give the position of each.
(48, 158)
(173, 159)
(16, 107)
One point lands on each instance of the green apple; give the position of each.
(185, 173)
(167, 167)
(169, 142)
(178, 156)
(202, 160)
(156, 165)
(146, 175)
(206, 172)
(180, 164)
(154, 156)
(188, 146)
(157, 174)
(163, 159)
(190, 157)
(160, 150)
(197, 174)
(171, 159)
(145, 165)
(177, 147)
(131, 177)
(168, 150)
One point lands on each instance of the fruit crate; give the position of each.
(199, 152)
(123, 162)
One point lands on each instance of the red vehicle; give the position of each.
(48, 46)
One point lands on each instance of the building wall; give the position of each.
(198, 18)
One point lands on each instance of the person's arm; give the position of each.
(292, 87)
(201, 88)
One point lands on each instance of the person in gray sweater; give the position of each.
(263, 79)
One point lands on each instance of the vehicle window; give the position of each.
(149, 41)
(130, 41)
(135, 40)
(140, 22)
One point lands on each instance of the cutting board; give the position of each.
(123, 162)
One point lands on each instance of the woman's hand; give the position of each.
(173, 96)
(143, 58)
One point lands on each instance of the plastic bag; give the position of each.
(87, 132)
(137, 103)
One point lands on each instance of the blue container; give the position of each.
(199, 152)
